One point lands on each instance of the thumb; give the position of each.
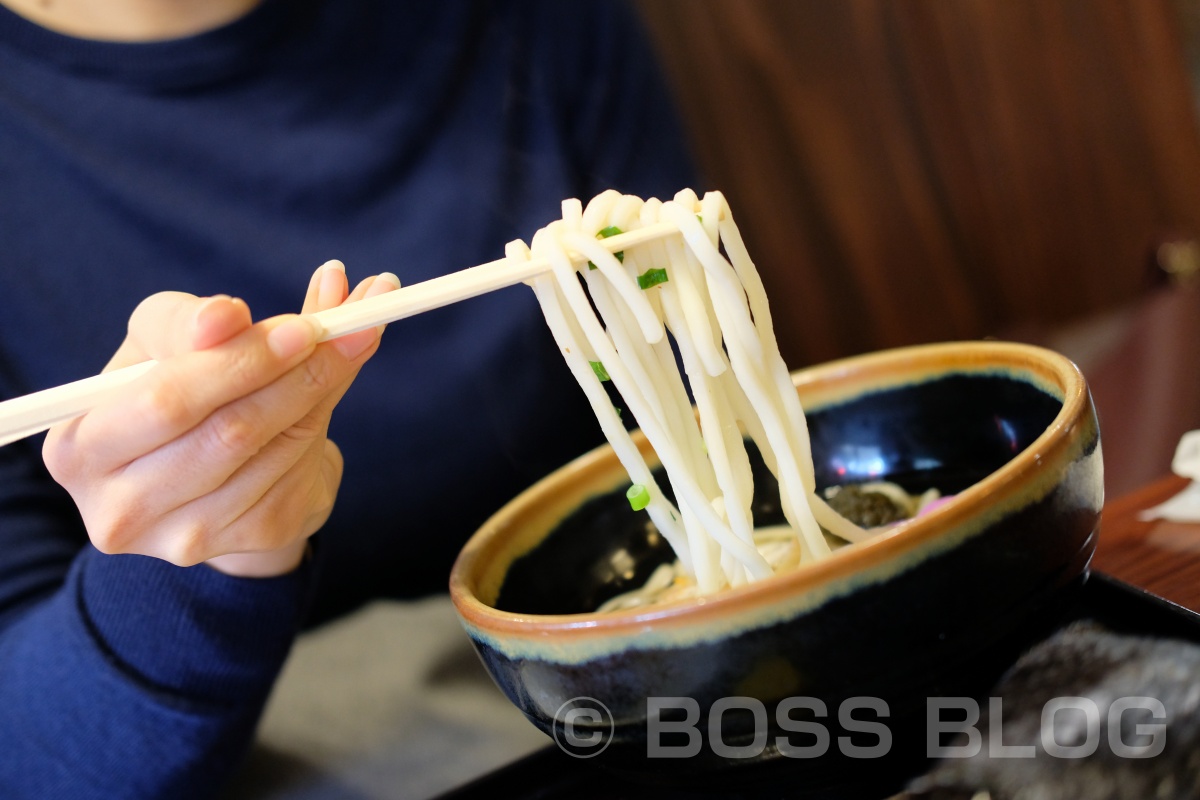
(169, 323)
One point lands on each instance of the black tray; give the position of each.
(549, 774)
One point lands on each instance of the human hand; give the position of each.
(220, 453)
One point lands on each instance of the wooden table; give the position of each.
(1158, 556)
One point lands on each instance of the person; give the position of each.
(172, 173)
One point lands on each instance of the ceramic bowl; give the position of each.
(821, 667)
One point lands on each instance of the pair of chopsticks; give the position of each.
(33, 413)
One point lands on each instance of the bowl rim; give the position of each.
(838, 380)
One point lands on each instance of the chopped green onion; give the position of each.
(599, 369)
(611, 230)
(652, 277)
(639, 496)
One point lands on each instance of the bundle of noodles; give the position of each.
(715, 308)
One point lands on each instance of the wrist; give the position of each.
(268, 564)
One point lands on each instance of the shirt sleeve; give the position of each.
(124, 676)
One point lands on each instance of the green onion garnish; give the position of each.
(639, 496)
(599, 369)
(611, 230)
(652, 277)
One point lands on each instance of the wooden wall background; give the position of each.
(918, 170)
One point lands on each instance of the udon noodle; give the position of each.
(702, 288)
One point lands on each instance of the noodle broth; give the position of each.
(946, 434)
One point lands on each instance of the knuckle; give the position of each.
(107, 540)
(187, 545)
(243, 368)
(165, 403)
(66, 459)
(186, 556)
(322, 497)
(234, 434)
(305, 431)
(333, 465)
(317, 375)
(114, 529)
(59, 459)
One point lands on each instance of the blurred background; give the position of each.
(921, 171)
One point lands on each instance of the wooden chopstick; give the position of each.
(33, 413)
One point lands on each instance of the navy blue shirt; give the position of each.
(415, 138)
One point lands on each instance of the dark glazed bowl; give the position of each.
(938, 606)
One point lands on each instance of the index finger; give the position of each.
(183, 390)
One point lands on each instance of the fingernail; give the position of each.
(333, 284)
(207, 307)
(293, 336)
(388, 278)
(382, 283)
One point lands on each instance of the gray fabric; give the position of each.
(390, 702)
